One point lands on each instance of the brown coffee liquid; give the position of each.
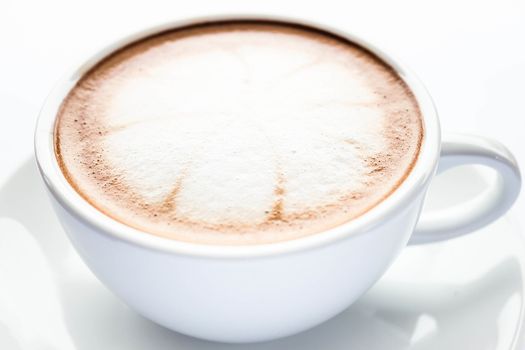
(244, 132)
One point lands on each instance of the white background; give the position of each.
(469, 54)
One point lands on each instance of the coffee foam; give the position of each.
(238, 133)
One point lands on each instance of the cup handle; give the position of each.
(458, 150)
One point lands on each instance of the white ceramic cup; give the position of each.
(267, 291)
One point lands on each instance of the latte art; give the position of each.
(238, 133)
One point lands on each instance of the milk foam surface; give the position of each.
(238, 133)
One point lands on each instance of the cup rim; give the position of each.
(414, 184)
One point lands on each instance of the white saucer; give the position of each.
(462, 294)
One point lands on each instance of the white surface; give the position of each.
(470, 55)
(466, 293)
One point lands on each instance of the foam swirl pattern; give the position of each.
(238, 133)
